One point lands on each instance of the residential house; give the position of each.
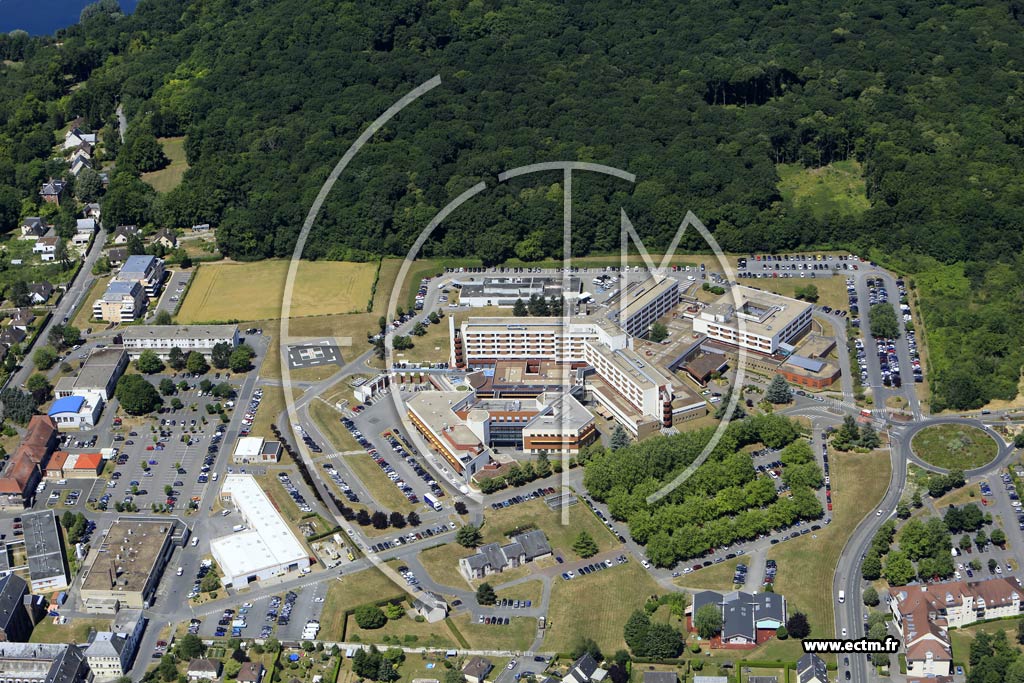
(12, 335)
(23, 317)
(493, 558)
(123, 302)
(76, 137)
(430, 606)
(40, 292)
(148, 271)
(33, 228)
(86, 225)
(585, 670)
(477, 669)
(923, 614)
(92, 210)
(660, 677)
(123, 232)
(46, 247)
(747, 619)
(52, 191)
(117, 256)
(166, 238)
(811, 669)
(80, 160)
(204, 669)
(251, 672)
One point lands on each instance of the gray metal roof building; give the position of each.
(44, 546)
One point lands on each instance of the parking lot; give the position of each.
(283, 616)
(795, 265)
(173, 291)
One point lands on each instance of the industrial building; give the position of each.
(505, 291)
(43, 663)
(44, 546)
(268, 548)
(125, 569)
(97, 378)
(74, 413)
(163, 338)
(754, 319)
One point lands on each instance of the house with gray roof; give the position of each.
(18, 615)
(811, 669)
(43, 663)
(33, 227)
(40, 292)
(493, 558)
(747, 618)
(585, 670)
(476, 669)
(147, 270)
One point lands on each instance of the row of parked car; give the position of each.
(411, 537)
(594, 567)
(522, 498)
(399, 448)
(250, 414)
(299, 499)
(332, 472)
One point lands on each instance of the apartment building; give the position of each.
(162, 338)
(123, 302)
(924, 614)
(148, 271)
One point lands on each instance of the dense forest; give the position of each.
(700, 100)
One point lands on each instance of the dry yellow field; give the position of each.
(254, 291)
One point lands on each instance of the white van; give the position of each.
(842, 596)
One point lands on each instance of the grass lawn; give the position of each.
(286, 506)
(954, 446)
(836, 188)
(529, 590)
(575, 613)
(406, 629)
(254, 291)
(83, 317)
(377, 483)
(442, 563)
(717, 577)
(961, 496)
(328, 421)
(269, 411)
(961, 638)
(516, 636)
(353, 590)
(433, 347)
(169, 177)
(831, 290)
(807, 564)
(75, 631)
(497, 523)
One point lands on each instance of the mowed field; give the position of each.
(254, 291)
(168, 178)
(834, 189)
(578, 610)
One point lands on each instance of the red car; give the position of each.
(149, 448)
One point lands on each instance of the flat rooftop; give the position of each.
(127, 555)
(553, 324)
(270, 541)
(98, 368)
(764, 313)
(639, 294)
(161, 332)
(435, 409)
(641, 370)
(563, 412)
(43, 545)
(511, 288)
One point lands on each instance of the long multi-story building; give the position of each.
(162, 338)
(753, 319)
(125, 569)
(43, 663)
(462, 443)
(44, 545)
(640, 304)
(485, 341)
(924, 614)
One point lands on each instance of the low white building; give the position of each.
(75, 412)
(256, 449)
(269, 548)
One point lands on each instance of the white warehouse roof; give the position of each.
(249, 446)
(269, 542)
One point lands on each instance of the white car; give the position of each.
(646, 564)
(512, 665)
(844, 633)
(181, 570)
(195, 541)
